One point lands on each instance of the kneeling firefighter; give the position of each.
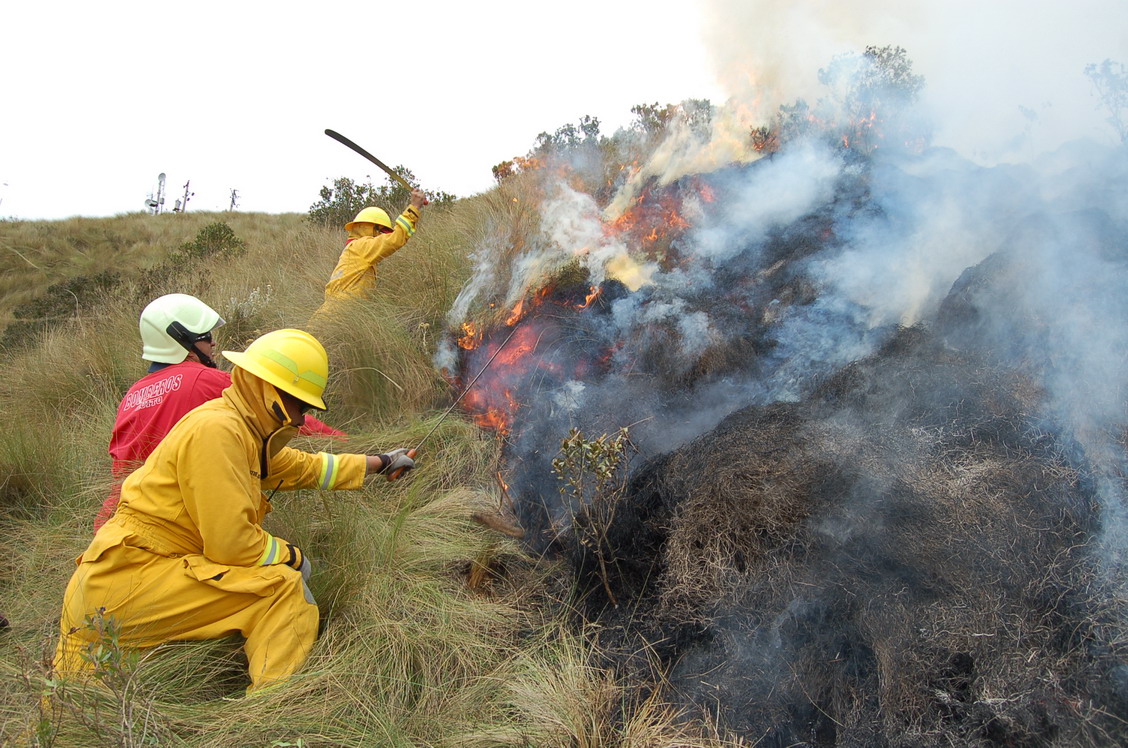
(176, 340)
(185, 556)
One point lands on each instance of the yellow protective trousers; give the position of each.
(156, 599)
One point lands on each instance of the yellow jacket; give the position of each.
(201, 490)
(355, 274)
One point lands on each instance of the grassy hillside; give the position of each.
(868, 484)
(35, 255)
(436, 630)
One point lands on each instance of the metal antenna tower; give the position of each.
(234, 199)
(182, 202)
(155, 202)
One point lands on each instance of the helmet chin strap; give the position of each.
(205, 359)
(187, 340)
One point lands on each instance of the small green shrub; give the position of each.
(592, 475)
(246, 317)
(214, 240)
(112, 706)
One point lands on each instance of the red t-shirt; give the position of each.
(153, 405)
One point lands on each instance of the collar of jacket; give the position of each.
(262, 409)
(363, 231)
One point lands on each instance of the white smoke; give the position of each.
(575, 230)
(571, 220)
(939, 215)
(775, 194)
(685, 151)
(570, 396)
(695, 332)
(1004, 78)
(484, 263)
(1003, 101)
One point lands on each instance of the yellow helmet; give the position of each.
(378, 216)
(291, 360)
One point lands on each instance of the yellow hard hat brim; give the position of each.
(248, 364)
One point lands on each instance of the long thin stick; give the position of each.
(412, 452)
(467, 389)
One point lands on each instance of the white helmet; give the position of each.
(172, 324)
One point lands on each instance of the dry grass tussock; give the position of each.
(507, 225)
(409, 653)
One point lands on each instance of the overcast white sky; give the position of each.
(101, 97)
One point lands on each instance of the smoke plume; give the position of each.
(895, 317)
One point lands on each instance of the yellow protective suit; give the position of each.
(355, 274)
(186, 558)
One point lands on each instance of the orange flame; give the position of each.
(654, 216)
(520, 311)
(495, 419)
(515, 315)
(471, 337)
(491, 402)
(592, 296)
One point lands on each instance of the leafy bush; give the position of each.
(214, 240)
(655, 120)
(868, 105)
(339, 203)
(244, 317)
(592, 475)
(1110, 81)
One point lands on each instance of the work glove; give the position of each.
(298, 561)
(397, 461)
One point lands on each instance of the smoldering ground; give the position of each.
(906, 521)
(878, 402)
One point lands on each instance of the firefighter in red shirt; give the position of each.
(176, 337)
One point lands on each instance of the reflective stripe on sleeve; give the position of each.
(329, 469)
(406, 224)
(270, 553)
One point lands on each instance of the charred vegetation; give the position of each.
(877, 396)
(900, 559)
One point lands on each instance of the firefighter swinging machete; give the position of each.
(393, 475)
(372, 237)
